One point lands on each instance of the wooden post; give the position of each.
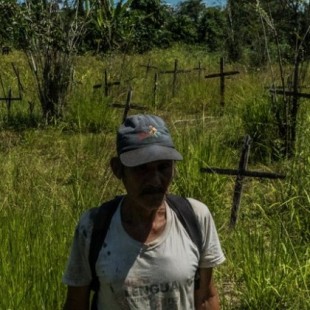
(222, 83)
(291, 115)
(222, 76)
(175, 72)
(106, 84)
(199, 69)
(127, 106)
(240, 174)
(8, 98)
(243, 164)
(20, 86)
(148, 67)
(8, 102)
(155, 89)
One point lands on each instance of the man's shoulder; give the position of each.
(197, 204)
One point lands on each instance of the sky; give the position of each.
(208, 2)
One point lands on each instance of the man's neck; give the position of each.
(143, 224)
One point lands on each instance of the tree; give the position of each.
(150, 27)
(112, 23)
(184, 24)
(212, 29)
(194, 9)
(9, 27)
(50, 41)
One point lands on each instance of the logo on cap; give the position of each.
(151, 133)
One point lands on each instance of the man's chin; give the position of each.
(154, 199)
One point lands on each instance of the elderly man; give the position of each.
(148, 257)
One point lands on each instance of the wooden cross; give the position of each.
(128, 106)
(9, 98)
(148, 67)
(175, 72)
(199, 69)
(222, 76)
(290, 93)
(289, 126)
(240, 174)
(106, 85)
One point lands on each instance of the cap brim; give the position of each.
(149, 154)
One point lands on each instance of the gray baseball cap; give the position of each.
(145, 138)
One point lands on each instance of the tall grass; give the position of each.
(51, 174)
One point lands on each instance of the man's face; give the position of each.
(148, 184)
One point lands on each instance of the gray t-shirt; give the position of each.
(133, 275)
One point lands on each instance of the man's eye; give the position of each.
(164, 166)
(140, 168)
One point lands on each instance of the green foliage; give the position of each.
(8, 21)
(50, 43)
(264, 286)
(113, 24)
(51, 174)
(149, 31)
(212, 29)
(259, 122)
(267, 26)
(183, 29)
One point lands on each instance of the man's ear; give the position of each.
(175, 171)
(116, 167)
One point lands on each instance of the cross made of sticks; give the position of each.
(289, 93)
(8, 97)
(199, 69)
(292, 111)
(240, 174)
(128, 106)
(148, 67)
(106, 84)
(222, 76)
(175, 72)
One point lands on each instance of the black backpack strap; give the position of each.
(101, 217)
(186, 215)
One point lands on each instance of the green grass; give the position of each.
(51, 174)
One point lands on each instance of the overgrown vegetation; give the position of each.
(56, 166)
(50, 175)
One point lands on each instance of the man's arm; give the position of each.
(206, 296)
(77, 298)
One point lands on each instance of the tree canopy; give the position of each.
(241, 28)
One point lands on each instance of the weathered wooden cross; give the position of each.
(148, 67)
(8, 98)
(290, 124)
(175, 72)
(128, 106)
(222, 76)
(106, 84)
(240, 174)
(200, 70)
(287, 92)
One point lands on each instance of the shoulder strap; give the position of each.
(101, 217)
(185, 213)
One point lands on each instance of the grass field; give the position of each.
(51, 174)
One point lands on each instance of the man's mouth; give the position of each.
(153, 190)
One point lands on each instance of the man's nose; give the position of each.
(153, 175)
